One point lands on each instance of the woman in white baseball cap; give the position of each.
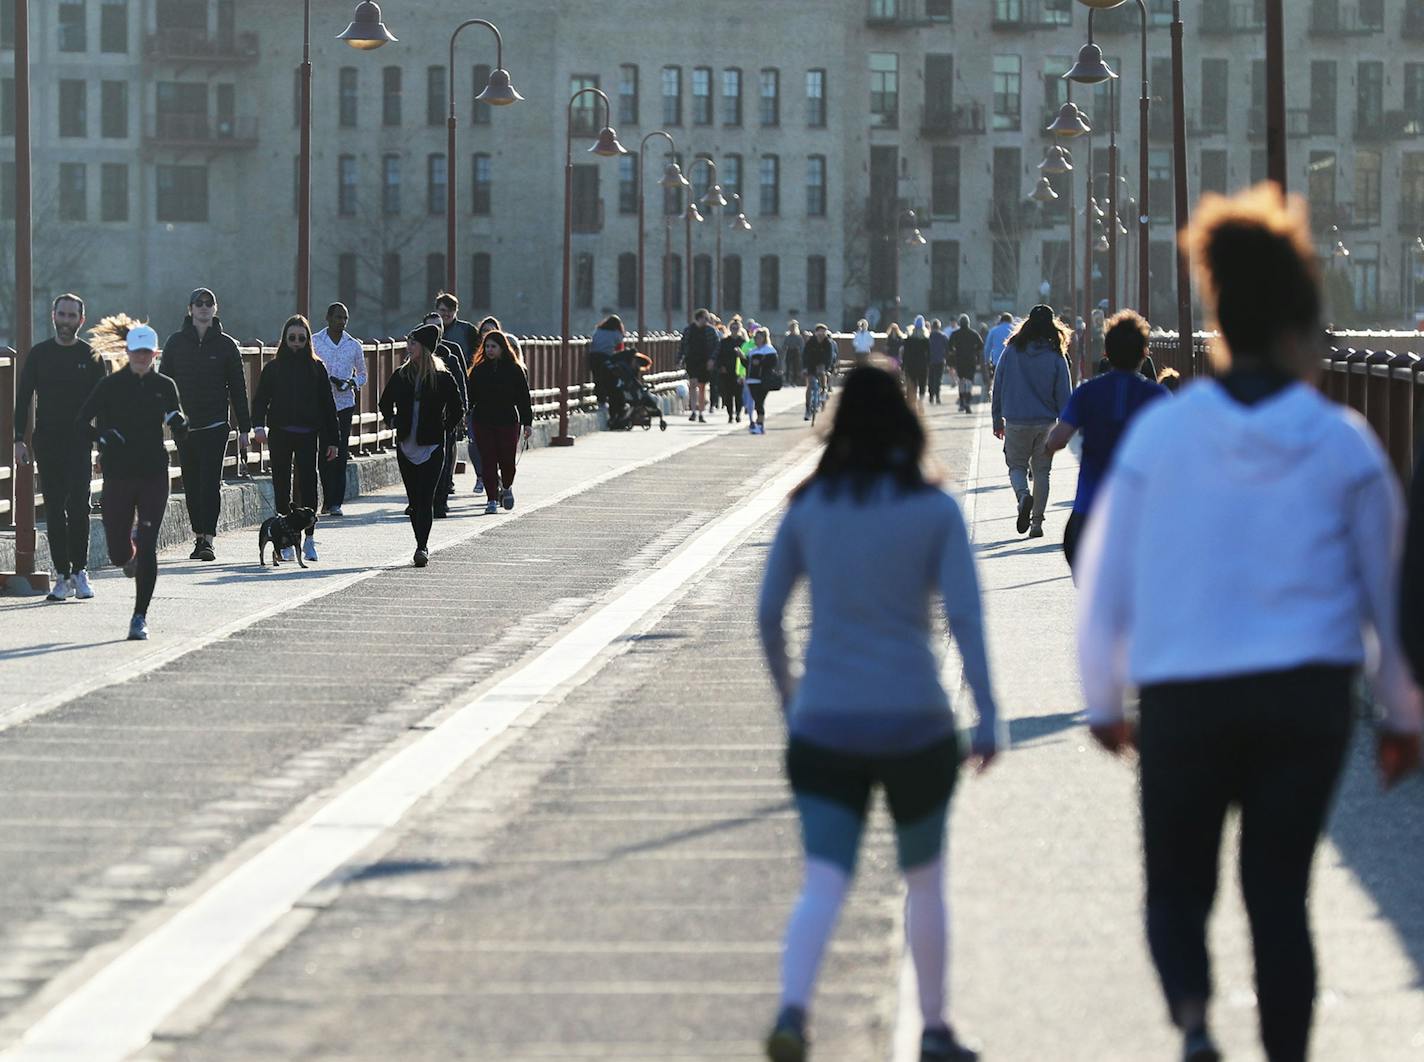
(125, 414)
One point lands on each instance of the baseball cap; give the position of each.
(199, 293)
(141, 337)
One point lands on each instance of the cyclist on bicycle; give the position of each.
(818, 358)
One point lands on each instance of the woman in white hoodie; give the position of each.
(1244, 550)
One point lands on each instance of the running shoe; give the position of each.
(205, 550)
(289, 554)
(138, 629)
(692, 416)
(80, 581)
(1198, 1046)
(335, 510)
(701, 419)
(62, 591)
(787, 1041)
(1025, 512)
(1036, 531)
(309, 548)
(197, 553)
(507, 499)
(479, 485)
(422, 557)
(492, 506)
(940, 1045)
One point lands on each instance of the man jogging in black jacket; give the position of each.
(206, 364)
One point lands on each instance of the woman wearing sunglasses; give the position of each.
(294, 413)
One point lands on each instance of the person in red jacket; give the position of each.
(499, 407)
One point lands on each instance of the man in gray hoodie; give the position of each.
(1031, 390)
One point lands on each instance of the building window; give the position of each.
(627, 279)
(816, 186)
(1414, 94)
(816, 99)
(1006, 271)
(939, 10)
(770, 286)
(346, 97)
(672, 95)
(588, 203)
(1213, 96)
(1322, 97)
(700, 178)
(770, 184)
(114, 192)
(702, 280)
(1213, 171)
(1159, 183)
(1369, 97)
(391, 185)
(628, 94)
(346, 185)
(672, 197)
(816, 282)
(732, 97)
(885, 89)
(672, 270)
(390, 281)
(391, 96)
(114, 109)
(944, 182)
(731, 173)
(182, 193)
(434, 275)
(585, 107)
(73, 109)
(480, 280)
(479, 109)
(435, 95)
(770, 97)
(7, 40)
(1368, 168)
(583, 280)
(435, 178)
(346, 278)
(72, 29)
(701, 95)
(731, 282)
(114, 27)
(1008, 92)
(944, 275)
(628, 184)
(73, 192)
(480, 176)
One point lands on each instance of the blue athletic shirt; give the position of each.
(1101, 410)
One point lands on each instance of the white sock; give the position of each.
(810, 929)
(927, 929)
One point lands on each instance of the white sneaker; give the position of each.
(290, 553)
(80, 581)
(63, 589)
(309, 548)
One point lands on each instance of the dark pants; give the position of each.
(201, 456)
(729, 389)
(292, 452)
(757, 393)
(66, 468)
(447, 476)
(1072, 531)
(421, 482)
(133, 514)
(473, 448)
(936, 378)
(499, 450)
(917, 380)
(1272, 744)
(333, 473)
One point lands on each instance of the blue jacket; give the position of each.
(1031, 385)
(995, 340)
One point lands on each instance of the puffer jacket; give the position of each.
(208, 373)
(295, 392)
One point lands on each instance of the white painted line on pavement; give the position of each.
(116, 1012)
(152, 661)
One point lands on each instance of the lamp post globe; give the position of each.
(1091, 68)
(1102, 5)
(1043, 192)
(1069, 122)
(607, 145)
(366, 31)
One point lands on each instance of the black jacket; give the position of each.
(966, 351)
(62, 377)
(916, 353)
(136, 408)
(454, 358)
(699, 344)
(295, 392)
(818, 354)
(499, 394)
(208, 374)
(439, 406)
(729, 353)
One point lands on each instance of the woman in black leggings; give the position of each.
(294, 413)
(125, 415)
(421, 401)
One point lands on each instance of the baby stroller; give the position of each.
(630, 403)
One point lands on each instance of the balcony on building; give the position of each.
(587, 215)
(1388, 125)
(1224, 17)
(1353, 216)
(906, 14)
(200, 131)
(1026, 15)
(191, 45)
(1330, 18)
(941, 122)
(1297, 122)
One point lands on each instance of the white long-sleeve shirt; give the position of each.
(342, 360)
(1235, 539)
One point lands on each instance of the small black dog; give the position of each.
(284, 531)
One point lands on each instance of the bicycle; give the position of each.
(816, 394)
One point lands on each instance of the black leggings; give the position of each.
(66, 468)
(133, 515)
(201, 454)
(729, 389)
(289, 452)
(1271, 744)
(421, 482)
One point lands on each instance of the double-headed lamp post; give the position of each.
(498, 92)
(690, 216)
(715, 198)
(606, 146)
(916, 238)
(672, 178)
(1056, 162)
(1069, 124)
(365, 32)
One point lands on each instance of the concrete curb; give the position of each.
(247, 502)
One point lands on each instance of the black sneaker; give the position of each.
(1198, 1046)
(422, 557)
(787, 1040)
(940, 1045)
(1025, 512)
(197, 553)
(205, 551)
(1036, 531)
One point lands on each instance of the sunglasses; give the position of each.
(205, 302)
(296, 337)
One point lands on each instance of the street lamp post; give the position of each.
(365, 32)
(690, 215)
(715, 198)
(1071, 123)
(1056, 161)
(672, 178)
(1179, 174)
(914, 239)
(1275, 86)
(606, 146)
(498, 92)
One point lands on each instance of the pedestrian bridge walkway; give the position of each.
(527, 803)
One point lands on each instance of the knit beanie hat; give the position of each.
(428, 336)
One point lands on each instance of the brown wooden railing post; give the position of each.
(1403, 369)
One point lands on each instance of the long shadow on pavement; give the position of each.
(1031, 728)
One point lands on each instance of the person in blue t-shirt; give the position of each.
(1101, 409)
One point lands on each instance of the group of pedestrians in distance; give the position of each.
(457, 379)
(734, 366)
(1240, 546)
